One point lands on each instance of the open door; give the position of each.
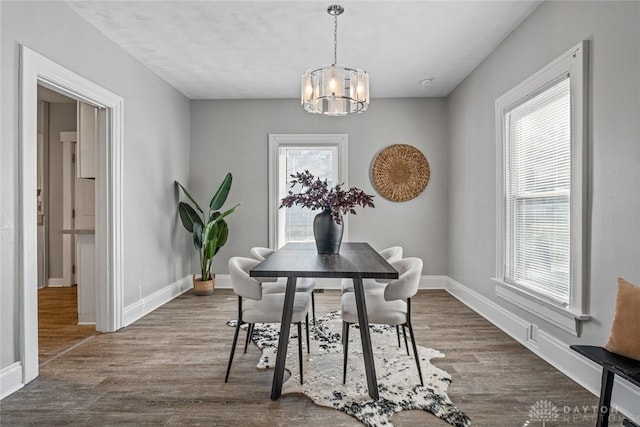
(85, 212)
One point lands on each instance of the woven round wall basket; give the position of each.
(400, 172)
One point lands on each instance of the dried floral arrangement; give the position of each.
(318, 195)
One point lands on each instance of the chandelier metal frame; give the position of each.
(335, 90)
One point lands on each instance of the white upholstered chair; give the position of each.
(391, 255)
(391, 306)
(273, 285)
(254, 306)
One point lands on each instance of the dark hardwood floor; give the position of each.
(168, 369)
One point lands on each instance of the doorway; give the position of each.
(66, 223)
(37, 70)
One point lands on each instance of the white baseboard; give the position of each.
(433, 282)
(58, 282)
(146, 305)
(511, 324)
(10, 379)
(554, 351)
(223, 281)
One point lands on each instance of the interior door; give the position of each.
(85, 213)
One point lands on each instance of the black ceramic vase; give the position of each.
(327, 233)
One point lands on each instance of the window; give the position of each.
(537, 190)
(542, 192)
(325, 156)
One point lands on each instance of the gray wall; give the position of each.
(452, 224)
(156, 151)
(614, 33)
(229, 135)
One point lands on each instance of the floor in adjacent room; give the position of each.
(58, 328)
(168, 369)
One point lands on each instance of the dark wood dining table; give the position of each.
(356, 261)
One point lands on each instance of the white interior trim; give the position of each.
(561, 317)
(573, 62)
(69, 136)
(36, 69)
(277, 140)
(10, 379)
(58, 282)
(157, 299)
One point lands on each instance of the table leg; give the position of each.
(283, 340)
(605, 397)
(363, 321)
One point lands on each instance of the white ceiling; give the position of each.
(259, 49)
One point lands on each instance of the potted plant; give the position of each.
(210, 231)
(334, 203)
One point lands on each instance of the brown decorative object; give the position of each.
(624, 337)
(204, 287)
(400, 172)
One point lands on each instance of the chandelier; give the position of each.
(335, 90)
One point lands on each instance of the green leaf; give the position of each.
(207, 234)
(184, 190)
(227, 213)
(214, 215)
(223, 234)
(212, 248)
(220, 197)
(210, 237)
(220, 216)
(197, 235)
(188, 216)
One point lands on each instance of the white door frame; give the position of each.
(36, 70)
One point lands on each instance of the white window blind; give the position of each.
(537, 133)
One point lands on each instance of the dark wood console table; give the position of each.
(612, 365)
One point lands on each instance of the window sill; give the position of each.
(562, 317)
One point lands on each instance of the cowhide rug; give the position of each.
(398, 381)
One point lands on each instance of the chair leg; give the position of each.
(306, 323)
(345, 350)
(300, 350)
(313, 306)
(398, 333)
(249, 335)
(233, 349)
(406, 344)
(415, 352)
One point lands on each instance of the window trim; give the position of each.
(276, 141)
(575, 63)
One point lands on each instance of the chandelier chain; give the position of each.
(335, 39)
